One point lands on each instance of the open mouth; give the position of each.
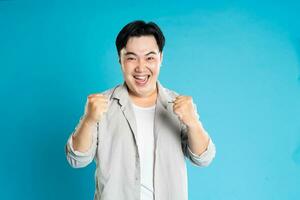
(141, 79)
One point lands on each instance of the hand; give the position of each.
(96, 106)
(184, 109)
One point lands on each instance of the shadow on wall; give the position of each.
(296, 155)
(296, 152)
(297, 48)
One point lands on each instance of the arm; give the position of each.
(197, 144)
(82, 138)
(198, 140)
(200, 147)
(82, 144)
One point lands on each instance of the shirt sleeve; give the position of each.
(79, 159)
(206, 157)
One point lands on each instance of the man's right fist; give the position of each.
(96, 106)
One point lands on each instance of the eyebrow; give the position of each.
(151, 52)
(131, 53)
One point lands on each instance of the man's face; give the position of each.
(140, 61)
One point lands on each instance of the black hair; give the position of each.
(139, 28)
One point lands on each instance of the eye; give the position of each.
(130, 58)
(150, 58)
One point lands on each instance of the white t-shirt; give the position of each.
(145, 141)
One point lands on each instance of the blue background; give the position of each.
(240, 60)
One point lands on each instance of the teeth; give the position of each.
(141, 77)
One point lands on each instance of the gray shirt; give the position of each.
(115, 150)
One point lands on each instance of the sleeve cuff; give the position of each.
(206, 157)
(79, 153)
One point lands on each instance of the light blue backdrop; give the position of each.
(239, 61)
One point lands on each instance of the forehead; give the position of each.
(141, 45)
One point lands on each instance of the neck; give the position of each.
(144, 101)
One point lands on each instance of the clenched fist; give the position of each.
(184, 109)
(95, 107)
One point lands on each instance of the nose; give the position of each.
(141, 65)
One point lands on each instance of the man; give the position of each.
(139, 132)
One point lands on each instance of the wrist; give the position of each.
(88, 121)
(194, 125)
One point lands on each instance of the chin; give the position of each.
(142, 91)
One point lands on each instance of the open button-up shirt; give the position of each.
(115, 150)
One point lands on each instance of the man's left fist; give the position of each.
(184, 109)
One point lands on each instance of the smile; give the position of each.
(141, 79)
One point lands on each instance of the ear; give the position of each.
(161, 57)
(120, 62)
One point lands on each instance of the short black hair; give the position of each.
(139, 28)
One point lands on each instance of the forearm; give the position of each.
(198, 140)
(82, 138)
